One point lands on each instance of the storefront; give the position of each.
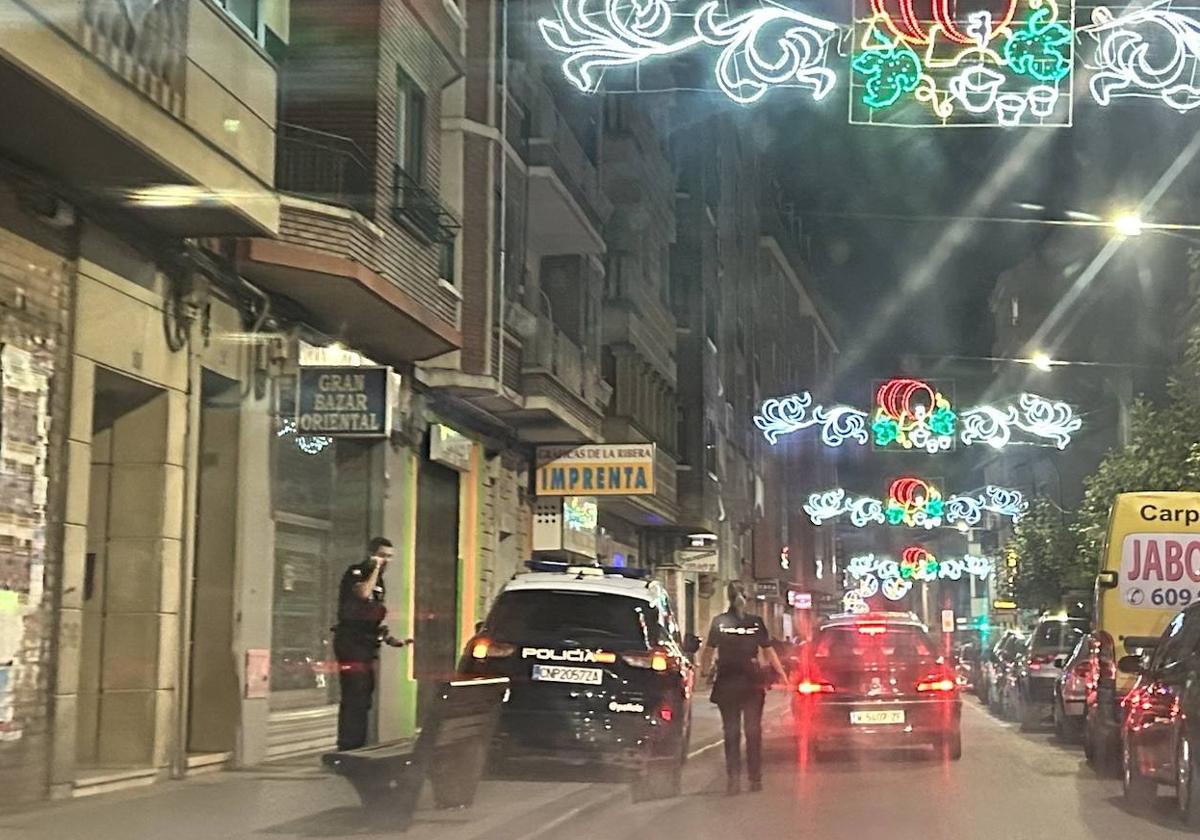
(328, 438)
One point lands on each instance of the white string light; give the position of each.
(769, 47)
(1151, 52)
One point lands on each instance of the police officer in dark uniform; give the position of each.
(356, 640)
(740, 686)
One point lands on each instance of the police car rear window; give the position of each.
(566, 617)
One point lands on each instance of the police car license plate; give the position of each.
(876, 717)
(566, 674)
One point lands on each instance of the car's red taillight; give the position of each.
(814, 687)
(943, 684)
(487, 649)
(654, 660)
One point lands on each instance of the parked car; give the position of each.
(999, 667)
(967, 666)
(1038, 669)
(1075, 680)
(1159, 743)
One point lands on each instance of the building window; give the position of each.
(245, 12)
(446, 261)
(410, 129)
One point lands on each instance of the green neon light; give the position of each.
(890, 72)
(1036, 50)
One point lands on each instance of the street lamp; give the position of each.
(1129, 224)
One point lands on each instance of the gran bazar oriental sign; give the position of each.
(916, 63)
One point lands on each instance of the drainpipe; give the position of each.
(187, 551)
(503, 232)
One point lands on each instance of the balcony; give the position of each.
(567, 205)
(564, 394)
(421, 213)
(323, 167)
(166, 109)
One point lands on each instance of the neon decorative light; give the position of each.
(912, 414)
(791, 414)
(1036, 416)
(894, 579)
(936, 66)
(308, 444)
(757, 50)
(911, 62)
(914, 503)
(1150, 52)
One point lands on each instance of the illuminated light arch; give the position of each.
(895, 579)
(1149, 52)
(902, 419)
(914, 503)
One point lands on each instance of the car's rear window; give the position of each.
(567, 617)
(1059, 635)
(891, 641)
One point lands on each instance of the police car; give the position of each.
(600, 674)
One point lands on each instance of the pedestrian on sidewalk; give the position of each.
(356, 639)
(739, 690)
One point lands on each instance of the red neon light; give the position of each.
(904, 490)
(910, 29)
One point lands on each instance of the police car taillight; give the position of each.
(653, 660)
(487, 649)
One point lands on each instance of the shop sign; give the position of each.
(344, 401)
(767, 588)
(446, 446)
(947, 621)
(800, 600)
(621, 469)
(700, 560)
(580, 516)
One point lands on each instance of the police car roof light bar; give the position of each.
(565, 567)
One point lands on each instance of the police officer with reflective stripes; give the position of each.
(356, 639)
(736, 637)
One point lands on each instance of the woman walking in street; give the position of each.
(739, 689)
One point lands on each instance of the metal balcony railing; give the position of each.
(143, 43)
(324, 167)
(419, 210)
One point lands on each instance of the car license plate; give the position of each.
(564, 674)
(876, 717)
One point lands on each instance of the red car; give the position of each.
(875, 681)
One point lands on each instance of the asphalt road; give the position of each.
(1007, 786)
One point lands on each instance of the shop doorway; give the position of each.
(213, 701)
(129, 611)
(436, 579)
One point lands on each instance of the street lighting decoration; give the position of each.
(895, 578)
(911, 414)
(915, 503)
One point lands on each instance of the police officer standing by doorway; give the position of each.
(356, 639)
(739, 690)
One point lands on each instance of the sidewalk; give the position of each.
(297, 799)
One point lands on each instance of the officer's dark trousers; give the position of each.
(358, 685)
(743, 710)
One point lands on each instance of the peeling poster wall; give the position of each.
(24, 443)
